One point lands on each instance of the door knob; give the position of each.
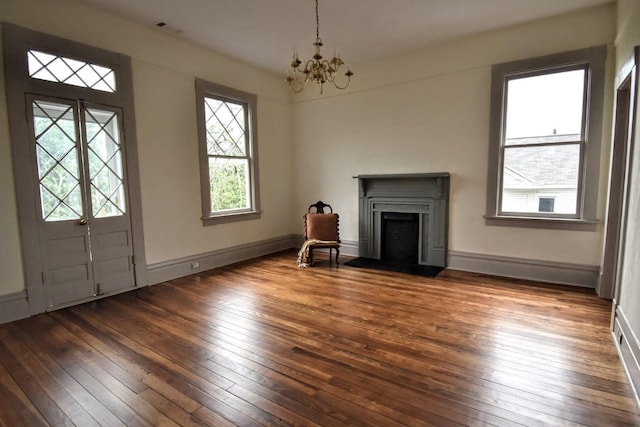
(82, 221)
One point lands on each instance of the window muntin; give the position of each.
(228, 155)
(522, 149)
(60, 69)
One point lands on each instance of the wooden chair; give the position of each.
(322, 226)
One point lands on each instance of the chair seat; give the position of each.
(325, 245)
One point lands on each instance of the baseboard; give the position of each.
(14, 306)
(349, 247)
(520, 268)
(628, 347)
(169, 270)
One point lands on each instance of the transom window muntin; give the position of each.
(61, 69)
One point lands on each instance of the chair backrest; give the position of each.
(320, 225)
(319, 207)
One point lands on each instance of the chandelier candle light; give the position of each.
(317, 69)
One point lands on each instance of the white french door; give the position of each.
(84, 222)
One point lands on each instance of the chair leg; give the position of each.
(311, 256)
(337, 255)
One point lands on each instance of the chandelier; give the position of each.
(317, 69)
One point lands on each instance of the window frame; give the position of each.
(205, 89)
(593, 60)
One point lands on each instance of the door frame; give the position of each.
(17, 41)
(619, 173)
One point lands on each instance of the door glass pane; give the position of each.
(229, 183)
(542, 171)
(57, 158)
(104, 153)
(545, 109)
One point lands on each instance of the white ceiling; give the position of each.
(264, 32)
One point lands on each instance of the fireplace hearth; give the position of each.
(404, 218)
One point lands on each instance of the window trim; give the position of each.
(594, 59)
(205, 89)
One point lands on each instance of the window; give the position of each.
(546, 204)
(52, 68)
(228, 155)
(545, 133)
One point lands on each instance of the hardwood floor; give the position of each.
(265, 343)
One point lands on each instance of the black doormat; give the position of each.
(376, 264)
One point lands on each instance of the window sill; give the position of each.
(228, 218)
(549, 223)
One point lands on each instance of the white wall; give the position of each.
(429, 112)
(164, 69)
(628, 37)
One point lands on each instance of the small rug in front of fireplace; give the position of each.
(400, 267)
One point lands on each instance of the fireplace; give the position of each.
(404, 218)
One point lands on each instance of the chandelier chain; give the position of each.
(317, 69)
(317, 22)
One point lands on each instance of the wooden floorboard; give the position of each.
(265, 343)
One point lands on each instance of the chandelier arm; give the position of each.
(342, 87)
(297, 90)
(295, 82)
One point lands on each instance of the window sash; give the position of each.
(549, 71)
(578, 189)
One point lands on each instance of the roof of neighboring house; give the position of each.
(541, 165)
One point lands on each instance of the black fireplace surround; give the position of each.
(404, 218)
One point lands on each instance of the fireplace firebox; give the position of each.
(399, 238)
(404, 218)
